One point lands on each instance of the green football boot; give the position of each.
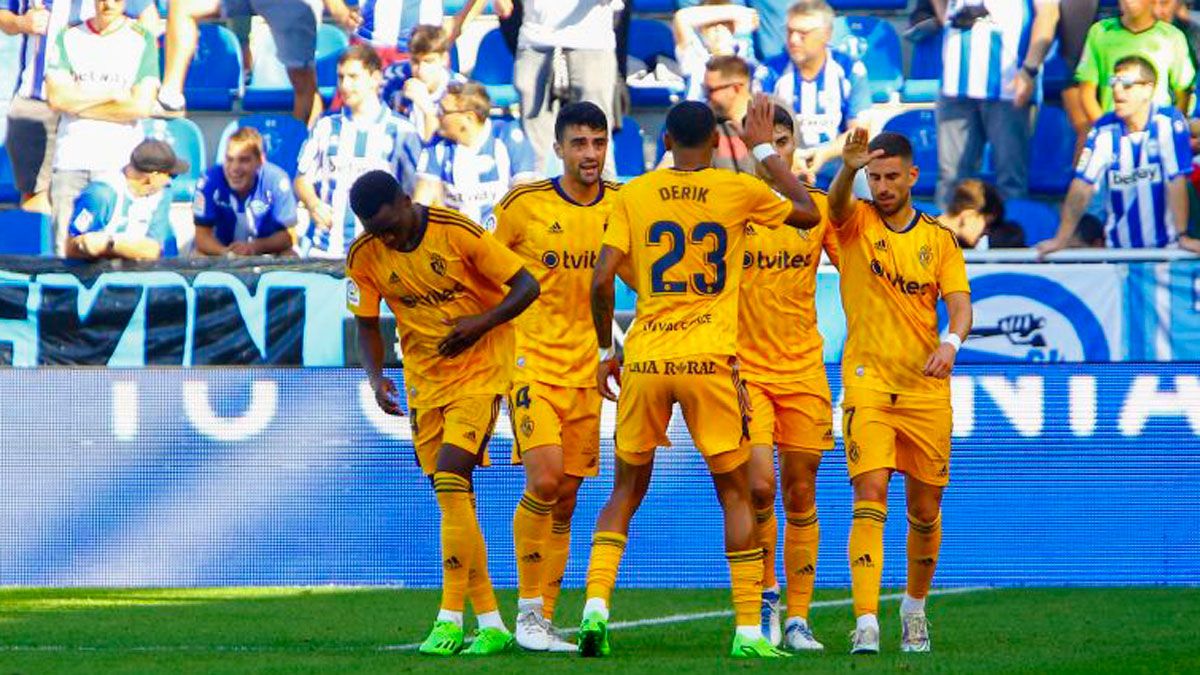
(593, 636)
(490, 641)
(446, 639)
(756, 648)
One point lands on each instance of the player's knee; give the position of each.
(762, 492)
(923, 512)
(543, 485)
(871, 486)
(799, 496)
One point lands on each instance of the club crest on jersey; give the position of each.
(925, 256)
(852, 452)
(527, 426)
(438, 264)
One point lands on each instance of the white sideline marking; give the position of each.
(616, 625)
(700, 616)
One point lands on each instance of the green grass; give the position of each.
(333, 630)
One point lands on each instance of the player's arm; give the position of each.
(941, 362)
(1079, 195)
(206, 241)
(758, 135)
(523, 289)
(370, 351)
(855, 155)
(1041, 36)
(603, 306)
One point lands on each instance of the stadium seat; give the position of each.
(925, 73)
(921, 128)
(8, 185)
(927, 207)
(494, 69)
(850, 5)
(648, 40)
(188, 142)
(282, 135)
(1050, 171)
(214, 79)
(270, 88)
(1038, 219)
(876, 43)
(655, 6)
(1055, 77)
(628, 150)
(25, 233)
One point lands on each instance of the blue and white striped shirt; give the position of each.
(1137, 166)
(473, 179)
(108, 205)
(981, 63)
(388, 23)
(337, 152)
(826, 104)
(31, 76)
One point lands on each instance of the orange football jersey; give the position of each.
(890, 283)
(559, 241)
(457, 270)
(684, 233)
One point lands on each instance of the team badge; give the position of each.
(353, 296)
(925, 256)
(852, 452)
(527, 426)
(438, 264)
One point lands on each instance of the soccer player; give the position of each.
(681, 231)
(361, 136)
(780, 351)
(895, 263)
(443, 277)
(555, 226)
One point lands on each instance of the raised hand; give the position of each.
(759, 127)
(856, 152)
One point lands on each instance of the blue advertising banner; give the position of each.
(1061, 475)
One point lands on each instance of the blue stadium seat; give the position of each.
(214, 79)
(25, 233)
(188, 142)
(1055, 77)
(846, 5)
(1038, 219)
(876, 43)
(921, 128)
(927, 207)
(8, 185)
(628, 150)
(270, 88)
(925, 73)
(494, 69)
(282, 135)
(655, 6)
(649, 39)
(1050, 172)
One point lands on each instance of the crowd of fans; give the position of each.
(89, 73)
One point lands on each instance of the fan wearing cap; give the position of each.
(126, 214)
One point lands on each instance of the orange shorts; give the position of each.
(714, 402)
(788, 415)
(566, 417)
(894, 431)
(465, 423)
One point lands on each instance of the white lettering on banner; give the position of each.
(264, 397)
(962, 400)
(1082, 404)
(392, 426)
(125, 410)
(1145, 400)
(1021, 401)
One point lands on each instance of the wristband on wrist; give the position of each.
(608, 353)
(762, 151)
(1030, 71)
(953, 340)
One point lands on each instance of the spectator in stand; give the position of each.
(981, 45)
(1141, 151)
(363, 136)
(770, 39)
(244, 206)
(474, 161)
(713, 28)
(388, 25)
(101, 76)
(127, 214)
(415, 88)
(727, 91)
(827, 90)
(32, 123)
(1178, 14)
(1136, 32)
(976, 217)
(565, 53)
(293, 25)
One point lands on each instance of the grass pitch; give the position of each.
(337, 630)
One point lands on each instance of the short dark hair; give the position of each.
(729, 65)
(691, 124)
(428, 39)
(980, 196)
(364, 54)
(1148, 72)
(892, 144)
(580, 114)
(780, 117)
(370, 192)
